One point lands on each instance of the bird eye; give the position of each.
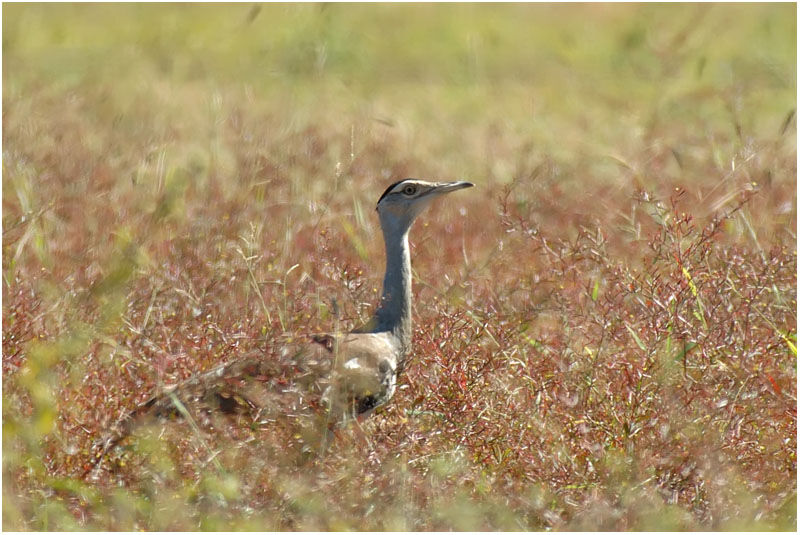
(410, 189)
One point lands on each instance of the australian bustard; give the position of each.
(337, 378)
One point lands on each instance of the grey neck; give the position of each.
(394, 311)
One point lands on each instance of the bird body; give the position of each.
(331, 380)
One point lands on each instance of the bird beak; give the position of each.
(447, 187)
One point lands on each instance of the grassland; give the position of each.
(605, 326)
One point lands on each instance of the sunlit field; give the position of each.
(605, 325)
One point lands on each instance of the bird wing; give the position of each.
(311, 386)
(263, 387)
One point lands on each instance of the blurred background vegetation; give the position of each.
(161, 163)
(575, 81)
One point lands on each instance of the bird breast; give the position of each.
(364, 374)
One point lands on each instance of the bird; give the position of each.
(330, 380)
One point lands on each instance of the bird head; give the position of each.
(403, 201)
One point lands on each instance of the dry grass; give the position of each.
(605, 327)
